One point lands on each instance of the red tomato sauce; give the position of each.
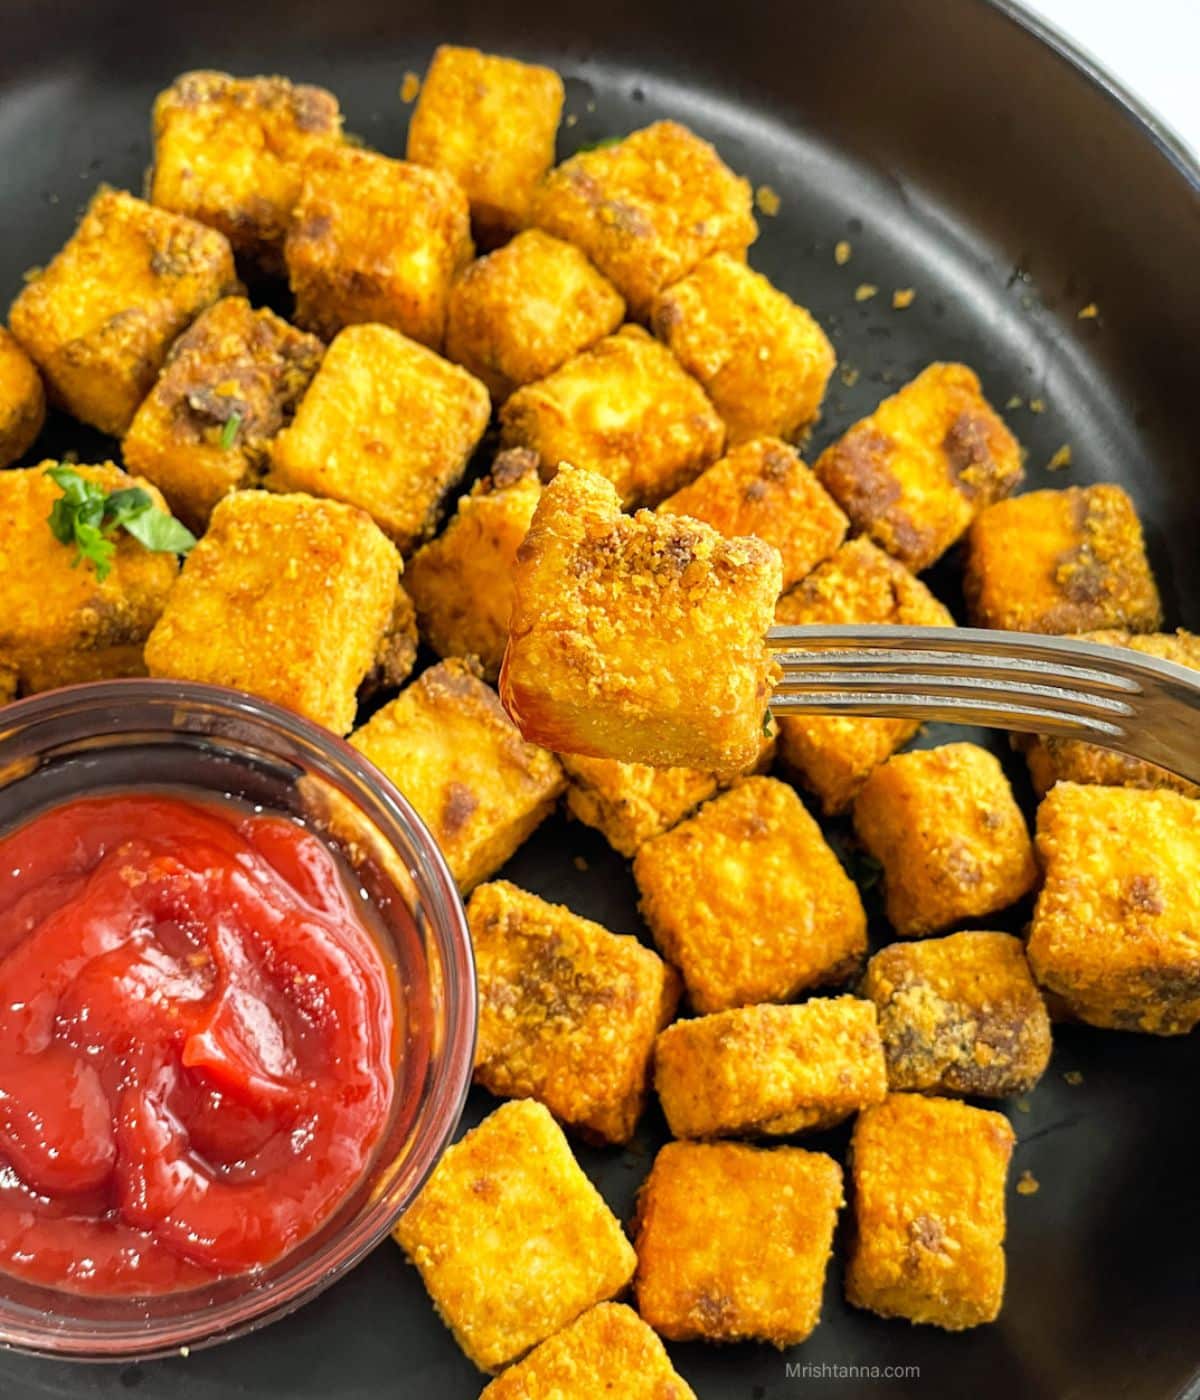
(196, 1042)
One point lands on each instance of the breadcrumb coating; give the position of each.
(22, 400)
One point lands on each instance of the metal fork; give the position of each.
(1111, 696)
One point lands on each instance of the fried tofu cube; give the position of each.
(491, 123)
(946, 828)
(626, 410)
(960, 1015)
(1061, 561)
(916, 472)
(928, 1189)
(748, 901)
(521, 312)
(732, 1241)
(511, 1239)
(59, 622)
(568, 1011)
(386, 425)
(229, 152)
(608, 1351)
(1116, 928)
(648, 209)
(762, 488)
(373, 239)
(397, 651)
(763, 360)
(1053, 760)
(462, 581)
(833, 755)
(99, 320)
(231, 382)
(770, 1070)
(285, 596)
(638, 637)
(449, 747)
(22, 400)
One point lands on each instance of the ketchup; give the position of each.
(196, 1043)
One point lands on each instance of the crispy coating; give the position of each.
(626, 410)
(22, 400)
(397, 651)
(638, 637)
(762, 488)
(764, 360)
(960, 1015)
(946, 828)
(58, 621)
(232, 365)
(229, 152)
(749, 902)
(99, 320)
(609, 1351)
(447, 744)
(1116, 928)
(511, 1239)
(462, 581)
(519, 313)
(386, 425)
(833, 755)
(928, 1180)
(648, 209)
(568, 1011)
(917, 471)
(1053, 760)
(1061, 561)
(285, 596)
(770, 1069)
(732, 1241)
(491, 123)
(373, 239)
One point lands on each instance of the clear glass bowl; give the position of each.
(209, 740)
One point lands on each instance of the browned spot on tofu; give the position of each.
(925, 1233)
(715, 1310)
(1143, 895)
(459, 806)
(968, 454)
(511, 465)
(754, 490)
(485, 1188)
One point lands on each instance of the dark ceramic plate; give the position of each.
(968, 154)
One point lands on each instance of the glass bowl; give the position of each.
(209, 740)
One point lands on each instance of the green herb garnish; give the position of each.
(766, 724)
(601, 145)
(88, 517)
(230, 430)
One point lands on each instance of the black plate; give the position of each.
(968, 155)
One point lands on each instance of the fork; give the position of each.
(1111, 696)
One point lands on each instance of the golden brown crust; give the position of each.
(397, 651)
(22, 400)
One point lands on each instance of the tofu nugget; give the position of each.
(229, 152)
(960, 1015)
(231, 382)
(386, 425)
(1116, 928)
(462, 581)
(524, 310)
(763, 488)
(98, 322)
(285, 596)
(511, 1239)
(568, 1011)
(732, 1241)
(916, 472)
(373, 239)
(1061, 561)
(22, 401)
(647, 209)
(764, 360)
(638, 637)
(447, 744)
(770, 1069)
(397, 651)
(609, 1351)
(491, 123)
(749, 902)
(59, 621)
(624, 409)
(833, 755)
(928, 1190)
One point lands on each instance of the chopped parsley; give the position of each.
(88, 516)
